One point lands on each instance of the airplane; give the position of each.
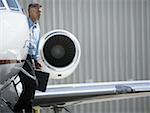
(60, 54)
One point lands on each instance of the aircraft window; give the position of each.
(12, 4)
(1, 3)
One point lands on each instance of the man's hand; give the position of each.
(37, 65)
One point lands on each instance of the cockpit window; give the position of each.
(1, 4)
(12, 4)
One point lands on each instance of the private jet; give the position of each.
(59, 56)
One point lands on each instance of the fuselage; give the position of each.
(14, 36)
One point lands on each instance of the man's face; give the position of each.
(35, 13)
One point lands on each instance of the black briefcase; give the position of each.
(42, 78)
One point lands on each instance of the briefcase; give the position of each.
(42, 78)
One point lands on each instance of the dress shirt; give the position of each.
(34, 39)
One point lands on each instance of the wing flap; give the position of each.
(91, 92)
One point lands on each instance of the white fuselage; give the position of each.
(14, 33)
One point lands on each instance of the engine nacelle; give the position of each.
(59, 53)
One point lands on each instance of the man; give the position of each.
(34, 15)
(24, 102)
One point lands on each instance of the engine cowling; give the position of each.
(59, 53)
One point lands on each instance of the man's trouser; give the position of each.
(29, 86)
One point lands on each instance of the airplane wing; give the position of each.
(63, 95)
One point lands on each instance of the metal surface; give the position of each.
(4, 108)
(79, 93)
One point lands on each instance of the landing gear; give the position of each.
(59, 109)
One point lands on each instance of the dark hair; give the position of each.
(32, 5)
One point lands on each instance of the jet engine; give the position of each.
(59, 53)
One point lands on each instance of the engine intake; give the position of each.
(59, 53)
